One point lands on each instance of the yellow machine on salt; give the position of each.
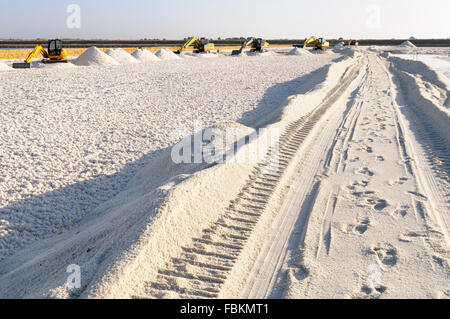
(257, 45)
(200, 46)
(319, 43)
(54, 54)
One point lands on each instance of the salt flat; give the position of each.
(73, 138)
(350, 200)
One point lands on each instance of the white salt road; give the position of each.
(372, 220)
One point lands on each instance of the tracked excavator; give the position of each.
(257, 45)
(201, 45)
(319, 43)
(54, 54)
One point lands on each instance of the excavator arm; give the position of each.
(187, 44)
(245, 43)
(37, 48)
(259, 45)
(309, 40)
(203, 45)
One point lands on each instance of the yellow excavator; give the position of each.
(319, 43)
(257, 45)
(54, 54)
(201, 45)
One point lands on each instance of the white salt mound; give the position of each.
(166, 54)
(407, 44)
(299, 51)
(94, 56)
(4, 67)
(121, 56)
(144, 55)
(339, 45)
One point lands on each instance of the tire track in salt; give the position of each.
(297, 206)
(427, 157)
(204, 266)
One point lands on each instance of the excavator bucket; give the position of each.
(21, 65)
(236, 52)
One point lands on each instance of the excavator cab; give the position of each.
(203, 45)
(259, 44)
(54, 47)
(322, 44)
(55, 52)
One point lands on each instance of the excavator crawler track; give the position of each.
(54, 61)
(21, 65)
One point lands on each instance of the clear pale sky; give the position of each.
(176, 19)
